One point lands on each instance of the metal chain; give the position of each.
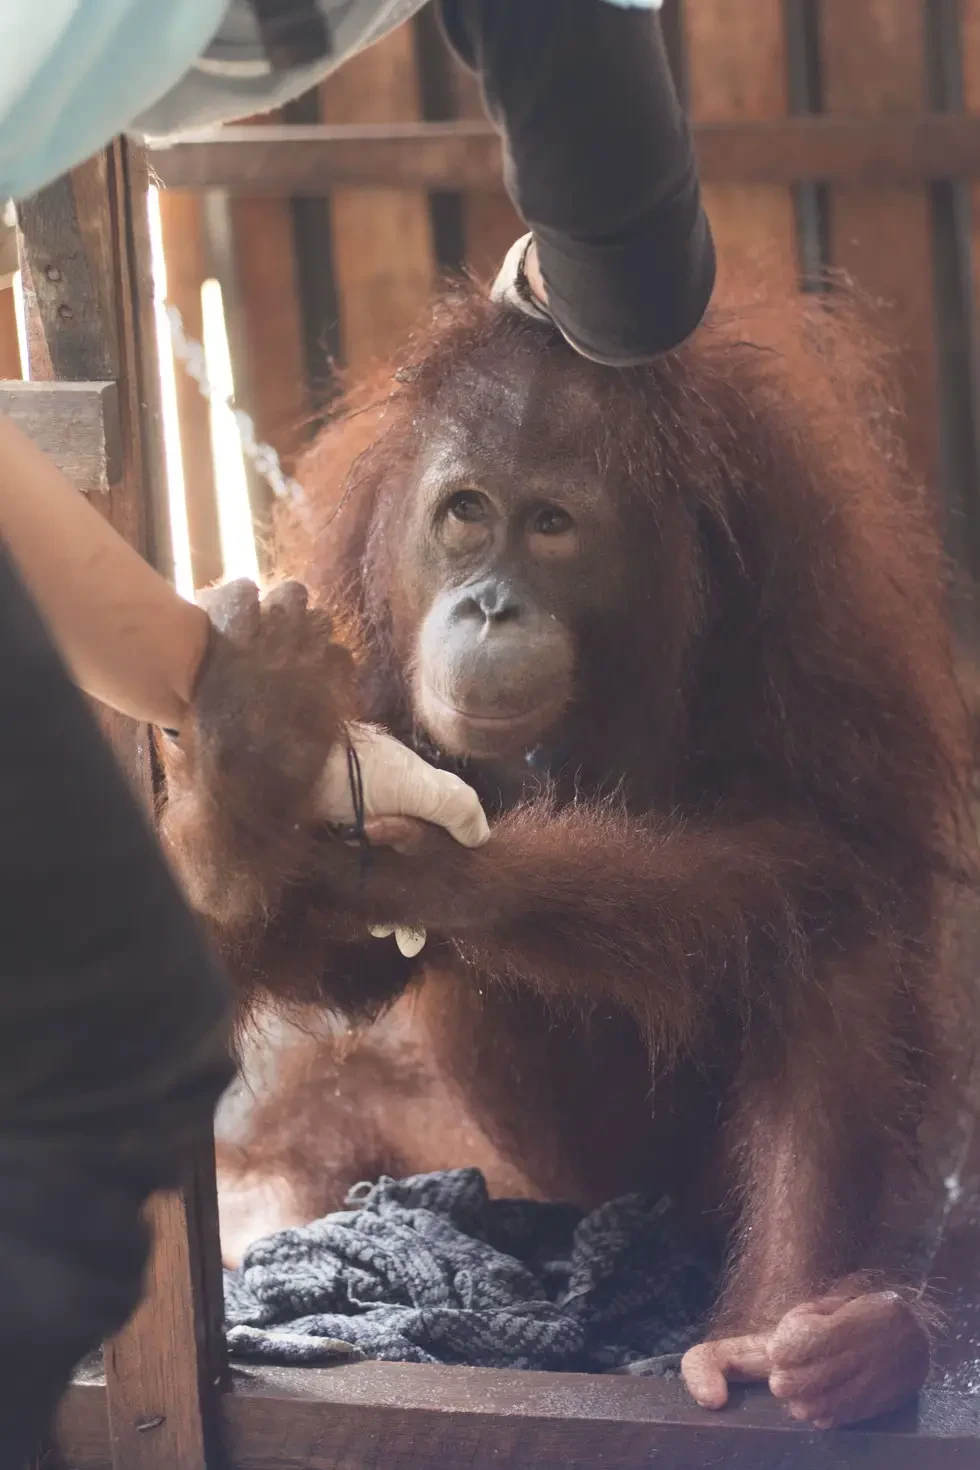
(190, 355)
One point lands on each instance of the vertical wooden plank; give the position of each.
(737, 68)
(186, 261)
(10, 363)
(382, 238)
(165, 1369)
(491, 224)
(86, 249)
(275, 390)
(970, 53)
(149, 1371)
(223, 266)
(873, 62)
(970, 23)
(278, 397)
(67, 267)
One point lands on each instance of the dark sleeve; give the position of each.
(599, 162)
(114, 1040)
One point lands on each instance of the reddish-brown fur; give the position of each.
(743, 910)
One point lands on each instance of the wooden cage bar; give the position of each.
(465, 155)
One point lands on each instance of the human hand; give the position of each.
(398, 783)
(401, 792)
(520, 284)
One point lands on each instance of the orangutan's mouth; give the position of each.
(536, 717)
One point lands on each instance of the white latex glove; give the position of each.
(399, 783)
(512, 288)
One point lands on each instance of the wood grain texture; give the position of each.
(66, 257)
(873, 62)
(271, 381)
(491, 224)
(737, 68)
(167, 1360)
(77, 426)
(384, 261)
(186, 263)
(970, 53)
(390, 1416)
(10, 363)
(277, 393)
(304, 159)
(152, 1369)
(70, 297)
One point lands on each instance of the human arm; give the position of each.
(600, 164)
(132, 642)
(127, 637)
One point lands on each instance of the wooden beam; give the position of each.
(11, 366)
(383, 250)
(185, 257)
(276, 389)
(491, 224)
(737, 68)
(76, 424)
(161, 1369)
(873, 62)
(412, 1418)
(73, 334)
(312, 160)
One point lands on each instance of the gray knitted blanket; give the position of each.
(431, 1270)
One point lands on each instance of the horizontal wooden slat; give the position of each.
(370, 1415)
(298, 160)
(77, 424)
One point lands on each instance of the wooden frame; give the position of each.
(403, 1417)
(297, 160)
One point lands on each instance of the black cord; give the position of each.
(355, 779)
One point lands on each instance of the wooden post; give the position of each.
(10, 363)
(491, 224)
(86, 255)
(182, 228)
(737, 68)
(873, 62)
(384, 261)
(970, 22)
(275, 390)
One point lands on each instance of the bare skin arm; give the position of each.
(126, 635)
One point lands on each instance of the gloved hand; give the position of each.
(399, 783)
(519, 282)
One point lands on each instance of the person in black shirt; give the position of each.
(598, 155)
(114, 1023)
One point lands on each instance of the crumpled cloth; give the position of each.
(431, 1270)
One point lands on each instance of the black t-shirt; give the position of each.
(114, 1028)
(599, 162)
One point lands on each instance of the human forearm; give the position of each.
(125, 634)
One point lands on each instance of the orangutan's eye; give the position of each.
(468, 505)
(551, 520)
